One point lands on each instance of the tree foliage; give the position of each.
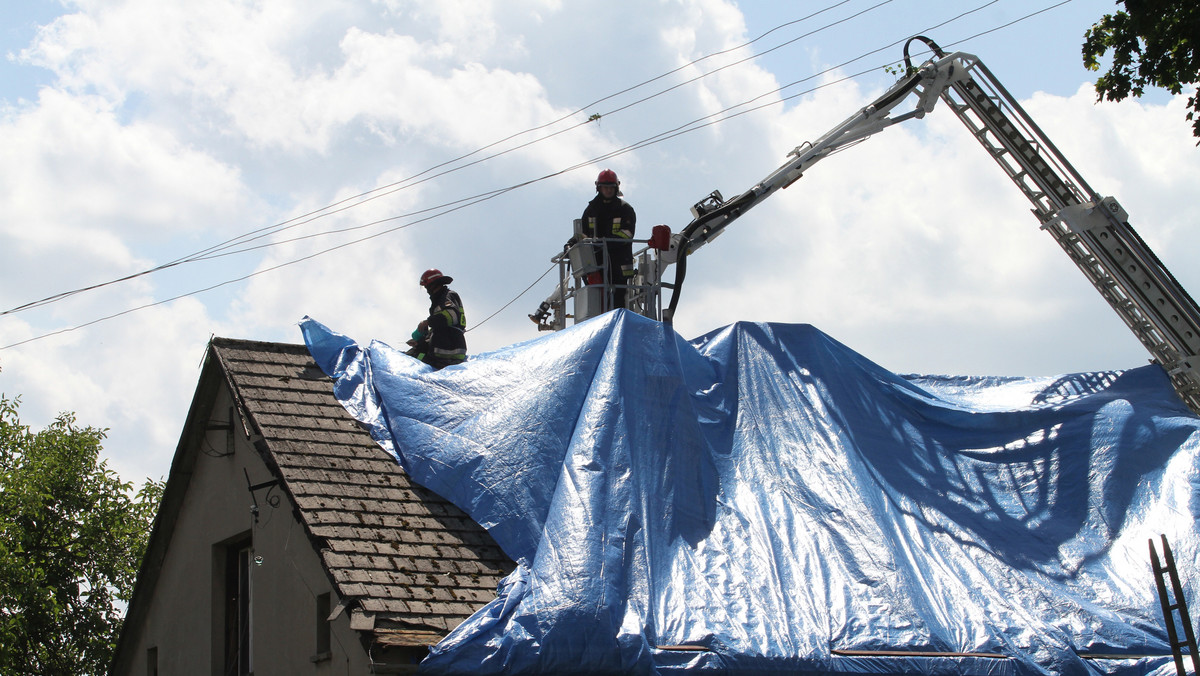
(1154, 43)
(72, 536)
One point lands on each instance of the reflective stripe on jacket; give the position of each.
(447, 323)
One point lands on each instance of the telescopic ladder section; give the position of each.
(1174, 607)
(1093, 231)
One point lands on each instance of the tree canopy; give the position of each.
(1153, 43)
(72, 535)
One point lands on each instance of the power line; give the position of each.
(610, 112)
(409, 182)
(514, 299)
(687, 128)
(445, 208)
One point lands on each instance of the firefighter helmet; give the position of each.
(607, 177)
(434, 276)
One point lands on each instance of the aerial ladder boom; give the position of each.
(1094, 231)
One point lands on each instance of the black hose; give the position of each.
(680, 273)
(685, 242)
(937, 51)
(889, 99)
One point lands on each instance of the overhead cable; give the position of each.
(409, 182)
(465, 202)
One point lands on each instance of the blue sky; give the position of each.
(139, 132)
(21, 22)
(1041, 53)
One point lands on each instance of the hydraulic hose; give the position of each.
(730, 210)
(937, 51)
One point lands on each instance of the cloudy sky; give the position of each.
(271, 159)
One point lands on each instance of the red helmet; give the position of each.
(607, 177)
(432, 276)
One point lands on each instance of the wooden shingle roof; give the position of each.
(409, 565)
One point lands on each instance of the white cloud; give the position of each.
(249, 69)
(366, 289)
(385, 83)
(69, 160)
(88, 198)
(208, 120)
(134, 377)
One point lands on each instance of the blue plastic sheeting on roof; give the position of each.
(765, 499)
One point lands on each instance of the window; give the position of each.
(238, 633)
(322, 622)
(152, 661)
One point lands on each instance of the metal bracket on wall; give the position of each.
(272, 500)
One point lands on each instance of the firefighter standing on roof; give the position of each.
(441, 341)
(608, 216)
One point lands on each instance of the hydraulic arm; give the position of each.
(1093, 230)
(712, 214)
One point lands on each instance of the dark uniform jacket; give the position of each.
(613, 218)
(447, 322)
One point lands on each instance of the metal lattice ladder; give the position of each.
(1093, 231)
(1174, 607)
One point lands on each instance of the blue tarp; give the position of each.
(765, 499)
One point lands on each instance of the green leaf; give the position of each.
(72, 535)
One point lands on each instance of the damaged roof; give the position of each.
(414, 565)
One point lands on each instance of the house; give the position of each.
(761, 500)
(289, 542)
